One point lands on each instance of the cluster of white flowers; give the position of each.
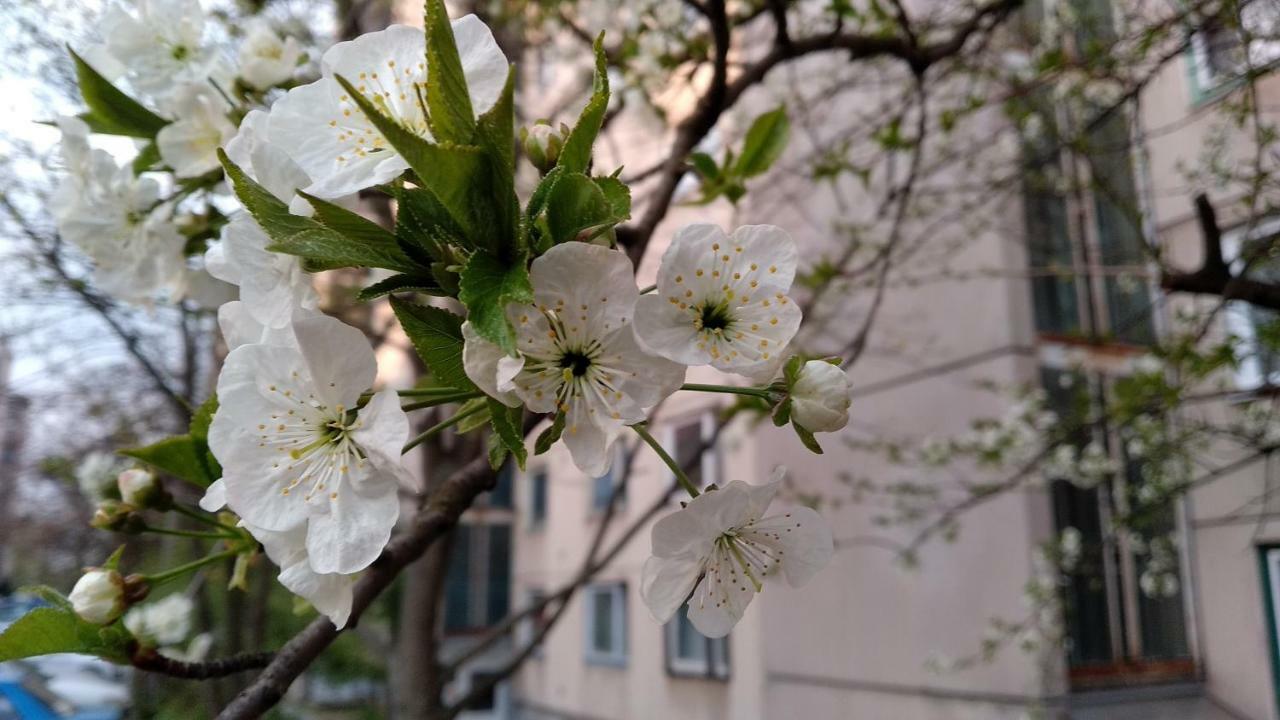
(310, 454)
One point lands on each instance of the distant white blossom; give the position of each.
(266, 59)
(190, 143)
(162, 623)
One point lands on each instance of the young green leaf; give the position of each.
(619, 197)
(574, 205)
(362, 230)
(765, 141)
(549, 436)
(575, 156)
(477, 411)
(448, 98)
(808, 439)
(48, 630)
(112, 112)
(436, 335)
(488, 284)
(305, 237)
(420, 283)
(148, 157)
(179, 455)
(496, 135)
(507, 425)
(422, 222)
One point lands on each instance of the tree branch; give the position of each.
(151, 661)
(1214, 276)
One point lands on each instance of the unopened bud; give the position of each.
(141, 489)
(542, 144)
(116, 516)
(99, 596)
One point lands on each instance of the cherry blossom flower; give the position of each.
(190, 143)
(329, 593)
(271, 284)
(265, 59)
(722, 300)
(297, 450)
(98, 596)
(578, 354)
(162, 623)
(158, 47)
(329, 137)
(722, 547)
(117, 219)
(820, 397)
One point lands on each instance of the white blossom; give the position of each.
(163, 623)
(820, 397)
(117, 219)
(329, 137)
(265, 58)
(722, 547)
(96, 473)
(296, 451)
(98, 596)
(136, 485)
(722, 300)
(578, 353)
(190, 143)
(158, 47)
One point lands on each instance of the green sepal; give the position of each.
(808, 439)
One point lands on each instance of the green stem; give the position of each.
(442, 400)
(181, 570)
(189, 533)
(728, 389)
(671, 463)
(441, 426)
(200, 516)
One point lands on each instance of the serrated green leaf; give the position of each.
(436, 335)
(508, 426)
(497, 452)
(362, 231)
(179, 456)
(458, 175)
(49, 630)
(550, 435)
(448, 98)
(575, 205)
(618, 195)
(496, 135)
(765, 141)
(305, 237)
(112, 111)
(477, 419)
(423, 222)
(488, 284)
(575, 156)
(425, 284)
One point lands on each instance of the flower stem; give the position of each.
(670, 462)
(438, 427)
(201, 517)
(189, 533)
(439, 400)
(728, 389)
(181, 570)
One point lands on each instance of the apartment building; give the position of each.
(1072, 311)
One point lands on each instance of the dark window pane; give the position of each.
(538, 496)
(457, 588)
(498, 589)
(690, 644)
(500, 496)
(688, 441)
(602, 490)
(602, 621)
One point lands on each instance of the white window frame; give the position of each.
(710, 459)
(715, 666)
(616, 656)
(1236, 315)
(1263, 52)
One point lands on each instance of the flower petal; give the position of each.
(352, 534)
(383, 431)
(665, 583)
(805, 541)
(489, 367)
(340, 360)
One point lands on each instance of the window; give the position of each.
(607, 624)
(1269, 559)
(1257, 328)
(500, 495)
(686, 441)
(477, 590)
(602, 487)
(1218, 53)
(538, 480)
(1117, 632)
(690, 654)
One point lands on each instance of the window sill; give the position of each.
(607, 661)
(1129, 675)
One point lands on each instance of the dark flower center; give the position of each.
(576, 362)
(714, 317)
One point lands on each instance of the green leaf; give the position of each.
(111, 111)
(199, 432)
(575, 156)
(497, 452)
(425, 284)
(791, 371)
(808, 439)
(448, 99)
(478, 418)
(421, 221)
(147, 158)
(363, 231)
(49, 630)
(179, 456)
(618, 195)
(456, 174)
(488, 284)
(704, 165)
(549, 436)
(765, 141)
(508, 426)
(575, 205)
(436, 335)
(48, 594)
(305, 237)
(497, 137)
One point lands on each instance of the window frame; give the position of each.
(710, 460)
(714, 665)
(617, 656)
(1249, 375)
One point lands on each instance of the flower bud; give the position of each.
(139, 488)
(542, 144)
(820, 397)
(98, 596)
(115, 516)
